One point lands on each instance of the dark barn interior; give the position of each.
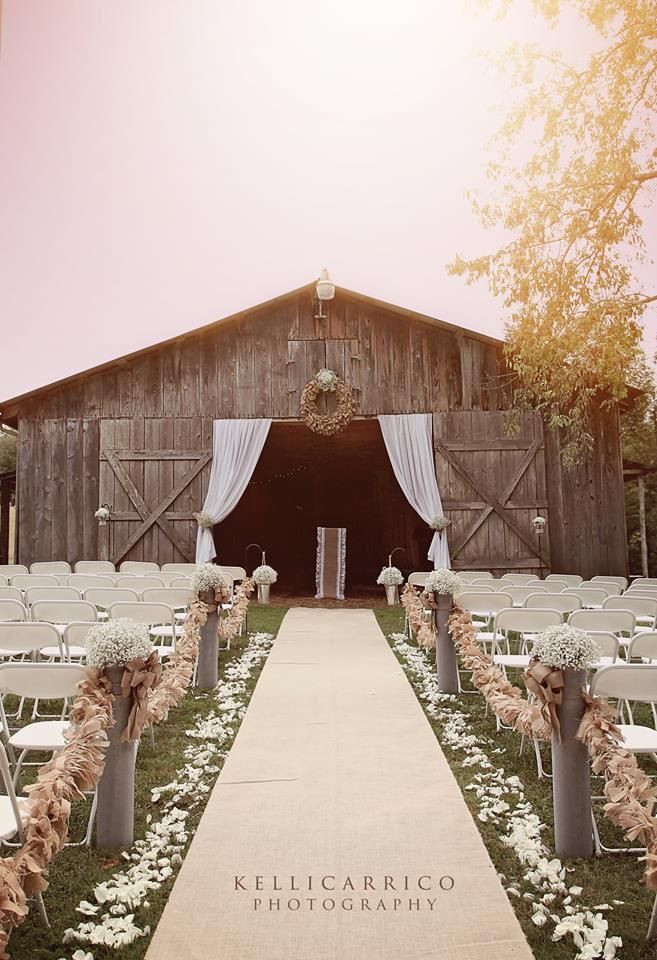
(303, 481)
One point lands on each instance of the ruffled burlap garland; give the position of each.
(78, 767)
(631, 794)
(422, 628)
(179, 668)
(230, 626)
(506, 700)
(75, 769)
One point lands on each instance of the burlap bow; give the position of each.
(546, 683)
(139, 677)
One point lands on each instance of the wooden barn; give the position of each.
(136, 434)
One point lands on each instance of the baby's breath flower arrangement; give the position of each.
(443, 581)
(265, 574)
(565, 648)
(208, 576)
(327, 380)
(204, 519)
(440, 523)
(117, 642)
(102, 514)
(390, 577)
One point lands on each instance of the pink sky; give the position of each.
(165, 163)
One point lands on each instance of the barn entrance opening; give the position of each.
(303, 481)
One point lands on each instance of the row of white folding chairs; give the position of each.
(105, 567)
(68, 618)
(101, 598)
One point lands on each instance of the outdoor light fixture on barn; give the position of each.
(324, 290)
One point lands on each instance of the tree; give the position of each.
(7, 451)
(573, 211)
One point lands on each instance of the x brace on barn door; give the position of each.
(151, 515)
(492, 503)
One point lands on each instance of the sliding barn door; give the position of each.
(153, 473)
(492, 485)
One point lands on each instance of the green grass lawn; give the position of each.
(75, 871)
(607, 878)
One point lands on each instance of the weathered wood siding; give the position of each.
(165, 400)
(257, 367)
(587, 505)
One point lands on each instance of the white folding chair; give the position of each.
(620, 581)
(11, 593)
(139, 584)
(40, 681)
(643, 646)
(643, 608)
(610, 588)
(61, 612)
(10, 570)
(419, 578)
(138, 566)
(520, 579)
(50, 567)
(181, 568)
(15, 813)
(4, 581)
(74, 640)
(572, 579)
(609, 646)
(526, 622)
(85, 581)
(475, 587)
(21, 638)
(235, 573)
(34, 594)
(177, 598)
(557, 585)
(483, 607)
(622, 623)
(611, 621)
(181, 583)
(553, 601)
(592, 599)
(629, 684)
(161, 577)
(519, 594)
(11, 609)
(467, 576)
(95, 566)
(103, 598)
(159, 617)
(26, 580)
(637, 590)
(644, 581)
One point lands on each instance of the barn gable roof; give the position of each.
(9, 408)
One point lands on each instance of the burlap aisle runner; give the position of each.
(330, 570)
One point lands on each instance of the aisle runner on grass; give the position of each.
(336, 776)
(118, 906)
(502, 803)
(331, 556)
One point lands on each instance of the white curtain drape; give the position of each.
(409, 444)
(236, 449)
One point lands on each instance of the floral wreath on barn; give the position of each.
(328, 424)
